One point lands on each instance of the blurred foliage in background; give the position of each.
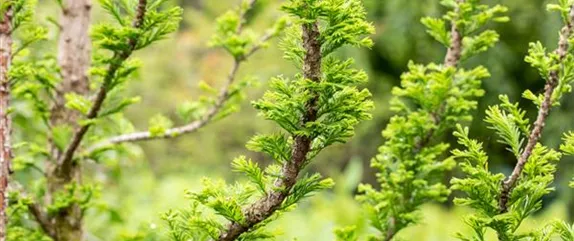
(137, 189)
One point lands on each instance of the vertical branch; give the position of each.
(266, 206)
(543, 111)
(74, 47)
(65, 162)
(452, 59)
(454, 51)
(75, 18)
(74, 56)
(222, 98)
(5, 121)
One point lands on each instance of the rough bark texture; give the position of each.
(5, 122)
(543, 112)
(454, 51)
(265, 207)
(66, 161)
(74, 59)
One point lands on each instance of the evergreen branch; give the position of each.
(452, 58)
(266, 206)
(5, 121)
(411, 167)
(266, 37)
(222, 98)
(66, 161)
(74, 60)
(35, 209)
(543, 111)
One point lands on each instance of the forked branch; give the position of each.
(66, 161)
(222, 98)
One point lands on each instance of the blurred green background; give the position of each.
(138, 188)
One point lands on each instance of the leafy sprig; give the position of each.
(316, 108)
(431, 99)
(503, 208)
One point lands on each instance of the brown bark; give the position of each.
(68, 222)
(543, 111)
(74, 59)
(5, 121)
(66, 161)
(454, 51)
(266, 206)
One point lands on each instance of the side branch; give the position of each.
(66, 161)
(266, 206)
(222, 98)
(5, 121)
(543, 111)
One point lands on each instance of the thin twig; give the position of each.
(543, 111)
(206, 118)
(191, 127)
(391, 232)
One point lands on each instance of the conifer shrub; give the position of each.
(68, 105)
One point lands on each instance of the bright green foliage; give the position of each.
(507, 120)
(340, 107)
(563, 230)
(240, 43)
(568, 148)
(17, 229)
(34, 77)
(469, 20)
(431, 99)
(26, 34)
(483, 188)
(159, 124)
(545, 62)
